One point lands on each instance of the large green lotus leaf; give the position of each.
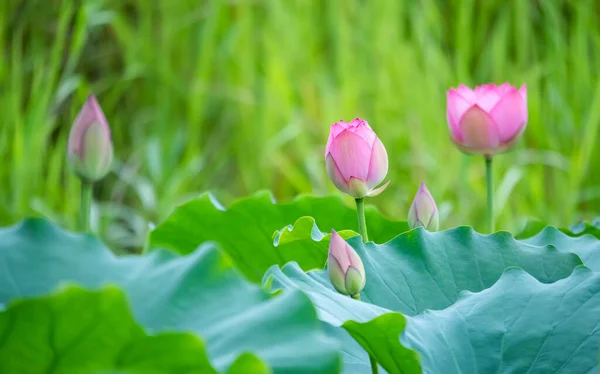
(246, 229)
(587, 247)
(416, 271)
(421, 270)
(200, 293)
(517, 324)
(80, 331)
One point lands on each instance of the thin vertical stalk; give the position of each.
(362, 229)
(362, 223)
(86, 204)
(372, 360)
(490, 193)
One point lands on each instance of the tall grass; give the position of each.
(237, 96)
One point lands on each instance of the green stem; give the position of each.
(372, 360)
(86, 204)
(362, 223)
(362, 229)
(490, 193)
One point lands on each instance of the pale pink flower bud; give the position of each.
(487, 120)
(346, 270)
(90, 150)
(356, 159)
(423, 211)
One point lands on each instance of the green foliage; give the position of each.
(238, 96)
(79, 331)
(534, 227)
(420, 270)
(462, 311)
(200, 293)
(246, 230)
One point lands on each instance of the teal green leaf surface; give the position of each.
(587, 247)
(246, 229)
(416, 272)
(80, 331)
(421, 270)
(199, 293)
(519, 325)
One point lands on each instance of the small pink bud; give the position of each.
(346, 270)
(90, 149)
(487, 120)
(356, 159)
(423, 211)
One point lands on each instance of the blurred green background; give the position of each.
(238, 96)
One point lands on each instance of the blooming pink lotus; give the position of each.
(356, 159)
(487, 120)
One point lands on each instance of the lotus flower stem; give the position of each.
(86, 202)
(490, 193)
(362, 223)
(372, 360)
(362, 229)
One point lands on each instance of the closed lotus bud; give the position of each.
(346, 270)
(90, 150)
(423, 211)
(356, 159)
(487, 120)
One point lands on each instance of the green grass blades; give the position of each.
(78, 331)
(199, 293)
(236, 96)
(246, 230)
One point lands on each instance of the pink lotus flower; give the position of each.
(89, 149)
(356, 159)
(487, 120)
(345, 268)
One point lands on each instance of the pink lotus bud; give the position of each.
(487, 120)
(356, 159)
(423, 211)
(346, 270)
(90, 149)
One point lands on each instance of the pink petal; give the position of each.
(467, 93)
(378, 166)
(510, 114)
(487, 99)
(334, 131)
(337, 248)
(337, 276)
(456, 107)
(90, 113)
(335, 175)
(365, 132)
(505, 89)
(523, 93)
(354, 259)
(352, 154)
(479, 130)
(357, 122)
(379, 189)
